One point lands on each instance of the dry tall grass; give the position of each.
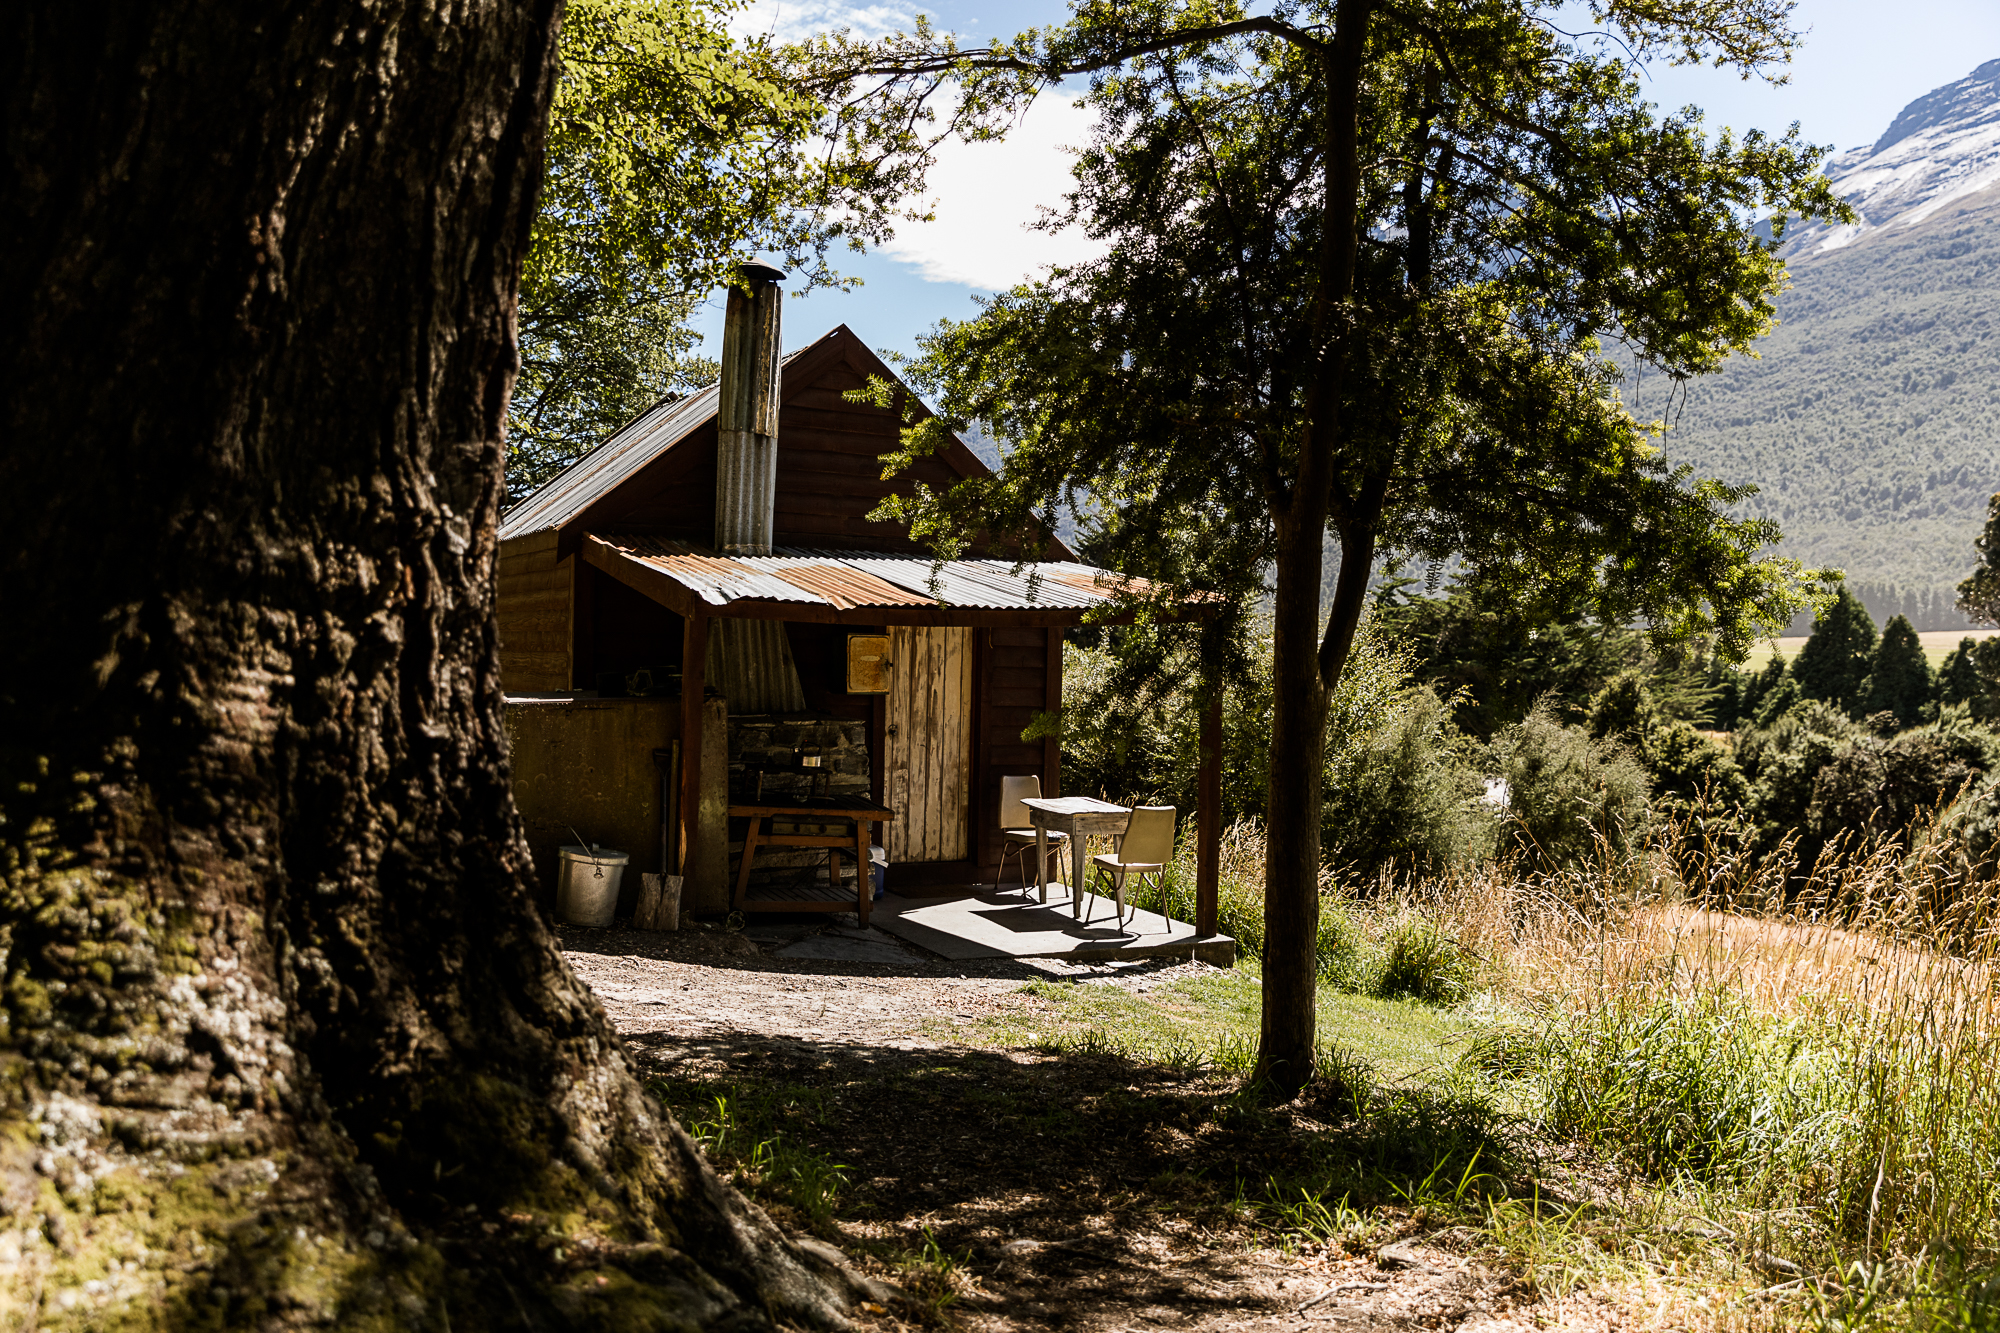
(1818, 1045)
(1816, 1050)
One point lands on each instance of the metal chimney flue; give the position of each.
(746, 471)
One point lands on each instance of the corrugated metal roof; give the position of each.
(638, 443)
(846, 587)
(719, 580)
(610, 464)
(850, 580)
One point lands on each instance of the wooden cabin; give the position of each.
(613, 595)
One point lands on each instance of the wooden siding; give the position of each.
(829, 469)
(535, 594)
(928, 766)
(1017, 685)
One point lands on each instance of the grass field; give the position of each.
(1213, 1019)
(1718, 1121)
(1936, 644)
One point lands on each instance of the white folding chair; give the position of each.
(1144, 852)
(1017, 837)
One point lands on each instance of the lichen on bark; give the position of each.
(284, 1038)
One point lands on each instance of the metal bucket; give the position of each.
(587, 885)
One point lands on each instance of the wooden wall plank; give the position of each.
(532, 615)
(528, 663)
(928, 760)
(534, 581)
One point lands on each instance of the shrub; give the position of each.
(1783, 759)
(1402, 792)
(1881, 786)
(1567, 791)
(1346, 960)
(1685, 767)
(1969, 832)
(1422, 961)
(1689, 769)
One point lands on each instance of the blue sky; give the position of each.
(1862, 62)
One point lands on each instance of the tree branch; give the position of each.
(999, 59)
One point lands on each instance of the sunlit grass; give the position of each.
(1211, 1021)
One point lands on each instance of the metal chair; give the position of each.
(1017, 836)
(1145, 851)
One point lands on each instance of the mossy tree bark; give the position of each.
(287, 1042)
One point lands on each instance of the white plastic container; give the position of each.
(587, 885)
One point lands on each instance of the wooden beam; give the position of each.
(694, 673)
(657, 584)
(1208, 816)
(976, 812)
(1052, 703)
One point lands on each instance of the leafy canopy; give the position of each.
(1519, 203)
(675, 151)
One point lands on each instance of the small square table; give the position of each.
(862, 813)
(1078, 816)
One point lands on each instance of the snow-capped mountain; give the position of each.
(1943, 147)
(1869, 419)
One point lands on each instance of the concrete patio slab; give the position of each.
(1010, 923)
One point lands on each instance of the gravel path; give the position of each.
(714, 984)
(709, 1000)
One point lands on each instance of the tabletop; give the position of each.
(1074, 805)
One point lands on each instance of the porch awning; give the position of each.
(856, 587)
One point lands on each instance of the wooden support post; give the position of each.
(1208, 816)
(694, 681)
(1052, 702)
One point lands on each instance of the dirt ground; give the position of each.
(1074, 1192)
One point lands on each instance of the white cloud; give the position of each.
(790, 20)
(987, 195)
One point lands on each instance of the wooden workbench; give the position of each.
(809, 899)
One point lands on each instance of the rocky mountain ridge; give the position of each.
(1942, 148)
(1870, 418)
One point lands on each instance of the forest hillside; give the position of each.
(1871, 419)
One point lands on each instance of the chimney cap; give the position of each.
(755, 271)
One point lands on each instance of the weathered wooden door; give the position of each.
(927, 764)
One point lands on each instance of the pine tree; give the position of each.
(1958, 677)
(1899, 676)
(1755, 688)
(1834, 661)
(1979, 594)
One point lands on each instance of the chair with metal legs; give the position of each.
(1017, 835)
(1144, 852)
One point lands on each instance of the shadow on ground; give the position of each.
(1142, 1184)
(755, 949)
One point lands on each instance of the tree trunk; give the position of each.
(1304, 671)
(1292, 816)
(287, 1042)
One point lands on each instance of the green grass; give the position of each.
(744, 1129)
(1211, 1021)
